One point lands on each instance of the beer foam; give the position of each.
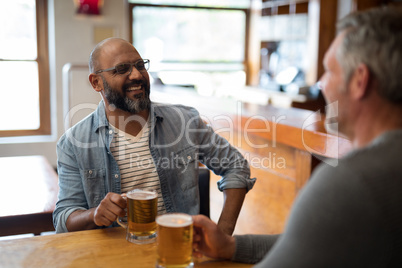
(174, 220)
(141, 194)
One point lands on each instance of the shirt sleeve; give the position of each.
(252, 248)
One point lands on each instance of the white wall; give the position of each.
(71, 39)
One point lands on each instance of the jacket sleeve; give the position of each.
(71, 195)
(223, 159)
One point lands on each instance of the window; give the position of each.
(197, 3)
(24, 68)
(196, 46)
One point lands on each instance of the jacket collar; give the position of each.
(101, 119)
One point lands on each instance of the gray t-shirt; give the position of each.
(346, 216)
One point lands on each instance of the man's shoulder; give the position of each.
(368, 166)
(94, 119)
(81, 129)
(86, 123)
(166, 109)
(384, 151)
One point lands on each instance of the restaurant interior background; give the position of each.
(262, 52)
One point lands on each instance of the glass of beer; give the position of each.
(174, 241)
(141, 213)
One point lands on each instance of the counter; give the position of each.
(283, 146)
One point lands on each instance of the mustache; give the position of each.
(143, 83)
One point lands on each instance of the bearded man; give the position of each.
(130, 142)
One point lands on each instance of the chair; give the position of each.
(203, 184)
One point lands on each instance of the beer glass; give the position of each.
(174, 241)
(141, 213)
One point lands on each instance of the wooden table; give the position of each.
(94, 248)
(28, 194)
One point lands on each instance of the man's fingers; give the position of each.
(117, 200)
(109, 209)
(197, 254)
(197, 238)
(201, 221)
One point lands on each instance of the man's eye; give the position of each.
(122, 69)
(140, 66)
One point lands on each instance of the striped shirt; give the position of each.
(135, 162)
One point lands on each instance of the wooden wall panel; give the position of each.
(327, 31)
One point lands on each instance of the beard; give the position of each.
(122, 102)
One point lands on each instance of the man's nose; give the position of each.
(319, 84)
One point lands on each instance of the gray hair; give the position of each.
(94, 57)
(374, 38)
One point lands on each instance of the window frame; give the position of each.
(247, 27)
(43, 76)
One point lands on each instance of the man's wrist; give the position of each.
(226, 226)
(230, 249)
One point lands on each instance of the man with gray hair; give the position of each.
(349, 215)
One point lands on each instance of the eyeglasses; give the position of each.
(124, 68)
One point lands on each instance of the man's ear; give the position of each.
(360, 82)
(96, 82)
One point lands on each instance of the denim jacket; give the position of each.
(178, 140)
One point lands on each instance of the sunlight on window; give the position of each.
(210, 3)
(193, 34)
(19, 93)
(18, 30)
(200, 48)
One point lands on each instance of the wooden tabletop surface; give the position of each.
(94, 248)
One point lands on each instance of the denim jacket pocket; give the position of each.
(187, 166)
(94, 185)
